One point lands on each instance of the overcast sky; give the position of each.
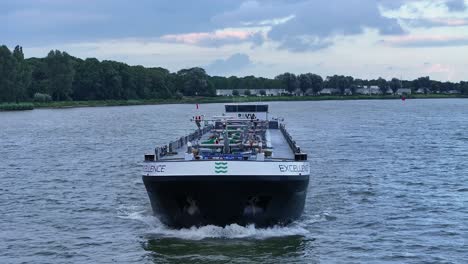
(362, 38)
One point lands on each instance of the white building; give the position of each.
(257, 92)
(453, 92)
(402, 91)
(329, 91)
(423, 91)
(368, 90)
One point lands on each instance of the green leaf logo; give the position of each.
(221, 167)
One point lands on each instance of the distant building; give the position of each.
(403, 91)
(257, 92)
(309, 91)
(362, 90)
(423, 91)
(453, 92)
(368, 90)
(329, 91)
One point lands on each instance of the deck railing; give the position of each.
(182, 141)
(292, 144)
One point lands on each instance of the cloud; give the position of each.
(179, 34)
(328, 21)
(305, 43)
(255, 12)
(299, 25)
(455, 5)
(296, 25)
(215, 38)
(411, 9)
(413, 41)
(120, 19)
(443, 71)
(311, 25)
(427, 13)
(451, 5)
(233, 64)
(438, 68)
(437, 22)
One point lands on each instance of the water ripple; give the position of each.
(388, 184)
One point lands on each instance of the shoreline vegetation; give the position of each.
(207, 100)
(60, 80)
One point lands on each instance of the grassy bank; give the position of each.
(16, 107)
(231, 99)
(204, 100)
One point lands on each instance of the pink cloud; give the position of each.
(202, 37)
(426, 41)
(412, 38)
(438, 68)
(450, 21)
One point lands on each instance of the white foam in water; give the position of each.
(211, 231)
(230, 231)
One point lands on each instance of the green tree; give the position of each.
(289, 81)
(305, 83)
(128, 90)
(340, 82)
(87, 84)
(407, 84)
(194, 81)
(348, 82)
(250, 82)
(247, 92)
(383, 85)
(317, 82)
(141, 81)
(158, 85)
(464, 88)
(22, 79)
(272, 84)
(444, 87)
(235, 93)
(64, 77)
(7, 75)
(60, 74)
(220, 82)
(395, 84)
(39, 80)
(423, 83)
(357, 83)
(112, 81)
(233, 83)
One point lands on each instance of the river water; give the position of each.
(389, 183)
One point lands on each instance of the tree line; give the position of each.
(313, 83)
(60, 77)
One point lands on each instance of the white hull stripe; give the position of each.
(221, 167)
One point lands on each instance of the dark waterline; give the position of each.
(389, 184)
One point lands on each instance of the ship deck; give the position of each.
(276, 141)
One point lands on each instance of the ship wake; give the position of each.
(233, 231)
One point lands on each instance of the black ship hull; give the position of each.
(185, 201)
